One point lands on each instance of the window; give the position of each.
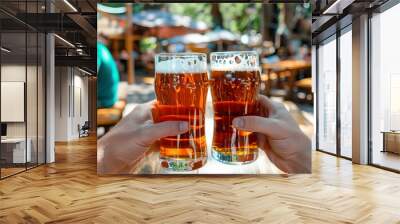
(327, 96)
(22, 77)
(385, 89)
(346, 93)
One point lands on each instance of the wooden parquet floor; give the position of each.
(69, 191)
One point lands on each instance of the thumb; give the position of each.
(268, 126)
(152, 132)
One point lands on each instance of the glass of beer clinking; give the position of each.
(235, 85)
(181, 84)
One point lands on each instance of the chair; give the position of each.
(84, 130)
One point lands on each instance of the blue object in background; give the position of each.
(271, 59)
(107, 78)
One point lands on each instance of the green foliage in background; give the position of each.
(241, 17)
(197, 11)
(147, 44)
(238, 18)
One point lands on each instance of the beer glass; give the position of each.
(235, 84)
(181, 84)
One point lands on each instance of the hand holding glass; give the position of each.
(181, 84)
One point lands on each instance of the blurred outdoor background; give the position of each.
(134, 33)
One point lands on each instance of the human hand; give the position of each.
(279, 136)
(126, 143)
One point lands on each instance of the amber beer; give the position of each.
(235, 85)
(181, 84)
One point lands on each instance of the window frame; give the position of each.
(340, 29)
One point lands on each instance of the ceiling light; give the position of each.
(70, 5)
(79, 51)
(5, 49)
(84, 71)
(333, 6)
(65, 41)
(337, 7)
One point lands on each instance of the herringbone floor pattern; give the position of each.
(69, 191)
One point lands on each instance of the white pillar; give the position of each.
(313, 90)
(50, 98)
(360, 90)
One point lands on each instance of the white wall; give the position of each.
(71, 94)
(61, 104)
(34, 125)
(80, 102)
(13, 73)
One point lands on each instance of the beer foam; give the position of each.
(181, 65)
(234, 61)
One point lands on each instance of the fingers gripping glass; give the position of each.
(235, 85)
(181, 84)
